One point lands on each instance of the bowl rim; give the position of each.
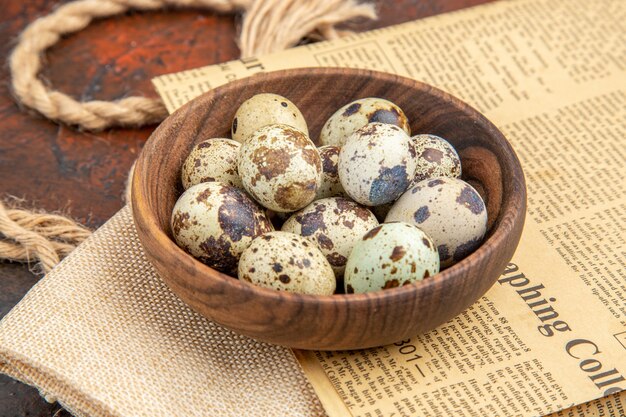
(147, 220)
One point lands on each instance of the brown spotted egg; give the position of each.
(335, 224)
(265, 109)
(212, 160)
(287, 262)
(280, 167)
(377, 164)
(215, 222)
(436, 157)
(449, 210)
(389, 256)
(330, 186)
(353, 116)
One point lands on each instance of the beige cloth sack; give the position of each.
(104, 336)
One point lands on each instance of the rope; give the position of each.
(268, 25)
(271, 26)
(31, 236)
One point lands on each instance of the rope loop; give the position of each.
(268, 25)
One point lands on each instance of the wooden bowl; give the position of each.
(344, 321)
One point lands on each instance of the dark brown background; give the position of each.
(58, 168)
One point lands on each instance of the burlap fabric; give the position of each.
(104, 336)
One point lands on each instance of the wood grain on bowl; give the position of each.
(342, 321)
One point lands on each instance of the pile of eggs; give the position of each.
(327, 201)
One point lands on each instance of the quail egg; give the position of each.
(215, 222)
(330, 186)
(377, 164)
(265, 109)
(389, 256)
(436, 157)
(449, 210)
(334, 224)
(280, 167)
(212, 160)
(357, 114)
(287, 262)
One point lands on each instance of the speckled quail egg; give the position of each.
(389, 256)
(330, 186)
(357, 114)
(377, 164)
(212, 160)
(265, 109)
(215, 222)
(449, 210)
(280, 167)
(287, 262)
(436, 157)
(335, 224)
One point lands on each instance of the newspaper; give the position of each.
(551, 333)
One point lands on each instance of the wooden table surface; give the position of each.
(56, 167)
